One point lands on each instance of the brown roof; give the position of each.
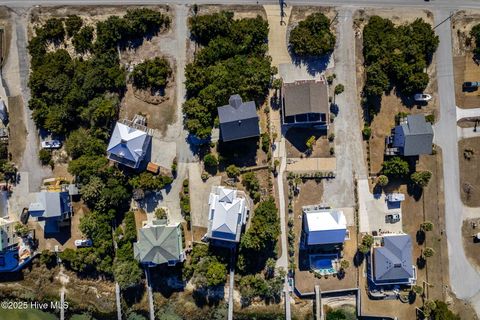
(305, 97)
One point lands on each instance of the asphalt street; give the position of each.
(464, 279)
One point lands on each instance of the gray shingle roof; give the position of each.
(414, 137)
(238, 119)
(158, 244)
(50, 204)
(303, 97)
(393, 261)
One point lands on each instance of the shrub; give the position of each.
(332, 151)
(161, 213)
(45, 156)
(382, 180)
(395, 167)
(339, 88)
(367, 240)
(210, 160)
(430, 118)
(73, 23)
(331, 137)
(233, 171)
(428, 252)
(265, 142)
(426, 226)
(417, 289)
(366, 132)
(344, 264)
(310, 143)
(421, 178)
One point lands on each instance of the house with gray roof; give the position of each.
(129, 143)
(238, 119)
(305, 103)
(159, 243)
(50, 209)
(413, 136)
(392, 261)
(227, 214)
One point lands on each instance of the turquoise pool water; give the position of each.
(323, 263)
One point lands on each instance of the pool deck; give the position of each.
(305, 280)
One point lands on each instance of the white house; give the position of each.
(324, 226)
(227, 214)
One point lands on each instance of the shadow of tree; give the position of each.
(421, 262)
(420, 236)
(358, 259)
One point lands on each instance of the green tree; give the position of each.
(339, 88)
(382, 180)
(92, 191)
(127, 273)
(21, 230)
(233, 171)
(417, 289)
(421, 178)
(441, 312)
(395, 167)
(149, 181)
(82, 40)
(52, 31)
(73, 23)
(210, 160)
(151, 74)
(48, 258)
(82, 142)
(216, 274)
(312, 36)
(251, 183)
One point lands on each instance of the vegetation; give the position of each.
(232, 61)
(417, 289)
(395, 167)
(441, 312)
(21, 230)
(428, 252)
(310, 143)
(152, 74)
(232, 171)
(149, 181)
(252, 286)
(260, 239)
(82, 40)
(426, 226)
(45, 156)
(205, 269)
(339, 88)
(367, 242)
(382, 180)
(210, 160)
(366, 132)
(73, 23)
(421, 178)
(475, 34)
(251, 183)
(312, 36)
(342, 313)
(397, 55)
(265, 142)
(161, 213)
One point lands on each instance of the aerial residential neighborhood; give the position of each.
(240, 160)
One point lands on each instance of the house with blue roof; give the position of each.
(228, 211)
(50, 209)
(391, 262)
(129, 143)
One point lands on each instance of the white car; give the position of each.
(422, 97)
(51, 144)
(83, 243)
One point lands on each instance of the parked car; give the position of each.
(422, 97)
(471, 85)
(83, 243)
(51, 144)
(392, 218)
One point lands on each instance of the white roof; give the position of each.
(226, 212)
(127, 142)
(322, 220)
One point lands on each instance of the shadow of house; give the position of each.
(242, 153)
(314, 64)
(298, 136)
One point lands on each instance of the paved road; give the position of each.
(437, 4)
(464, 279)
(339, 192)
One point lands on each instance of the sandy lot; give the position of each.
(472, 246)
(17, 128)
(297, 137)
(469, 158)
(465, 68)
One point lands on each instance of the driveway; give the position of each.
(347, 126)
(464, 279)
(199, 194)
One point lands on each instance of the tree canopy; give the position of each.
(397, 55)
(231, 61)
(312, 36)
(152, 74)
(395, 167)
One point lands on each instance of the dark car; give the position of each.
(471, 85)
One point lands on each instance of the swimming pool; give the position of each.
(323, 263)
